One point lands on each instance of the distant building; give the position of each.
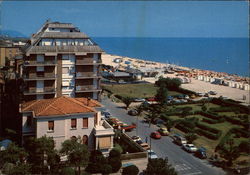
(8, 52)
(61, 61)
(64, 118)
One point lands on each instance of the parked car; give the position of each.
(132, 112)
(163, 131)
(206, 95)
(106, 114)
(139, 142)
(179, 140)
(200, 94)
(201, 153)
(151, 154)
(145, 146)
(139, 100)
(135, 138)
(212, 92)
(186, 97)
(155, 135)
(189, 148)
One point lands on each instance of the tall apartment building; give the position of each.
(61, 61)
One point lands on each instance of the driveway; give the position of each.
(184, 163)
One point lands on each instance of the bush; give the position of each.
(210, 121)
(115, 163)
(114, 153)
(118, 148)
(233, 120)
(208, 128)
(106, 169)
(244, 147)
(130, 170)
(68, 171)
(207, 134)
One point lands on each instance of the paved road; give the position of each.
(184, 163)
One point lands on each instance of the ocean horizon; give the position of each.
(230, 55)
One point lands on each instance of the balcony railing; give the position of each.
(87, 61)
(87, 88)
(87, 75)
(40, 63)
(45, 90)
(40, 77)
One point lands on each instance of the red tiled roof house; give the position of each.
(64, 118)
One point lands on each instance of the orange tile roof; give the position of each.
(60, 106)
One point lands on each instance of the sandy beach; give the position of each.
(195, 85)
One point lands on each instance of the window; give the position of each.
(85, 123)
(73, 123)
(104, 142)
(51, 125)
(40, 69)
(65, 70)
(29, 121)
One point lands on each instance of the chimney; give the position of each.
(88, 99)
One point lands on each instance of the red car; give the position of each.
(155, 135)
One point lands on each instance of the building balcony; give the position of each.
(88, 61)
(86, 75)
(104, 128)
(35, 91)
(40, 63)
(45, 76)
(87, 88)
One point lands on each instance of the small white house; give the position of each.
(64, 118)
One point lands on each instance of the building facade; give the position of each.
(64, 118)
(8, 52)
(61, 61)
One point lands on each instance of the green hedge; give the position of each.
(233, 120)
(208, 134)
(208, 128)
(210, 121)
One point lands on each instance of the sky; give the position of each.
(132, 19)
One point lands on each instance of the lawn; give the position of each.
(135, 90)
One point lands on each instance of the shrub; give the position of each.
(208, 128)
(118, 148)
(106, 169)
(244, 147)
(207, 134)
(68, 171)
(130, 170)
(210, 121)
(115, 163)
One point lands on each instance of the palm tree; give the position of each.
(127, 101)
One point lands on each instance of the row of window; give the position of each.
(51, 124)
(65, 42)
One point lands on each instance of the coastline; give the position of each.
(200, 80)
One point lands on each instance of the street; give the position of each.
(184, 163)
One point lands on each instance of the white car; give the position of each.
(136, 138)
(151, 154)
(189, 148)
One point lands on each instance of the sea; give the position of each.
(230, 55)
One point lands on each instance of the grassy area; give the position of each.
(135, 90)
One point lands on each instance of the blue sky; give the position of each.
(132, 19)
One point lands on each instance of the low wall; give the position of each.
(137, 151)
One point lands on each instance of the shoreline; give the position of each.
(200, 80)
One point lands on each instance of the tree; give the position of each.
(162, 95)
(230, 152)
(190, 137)
(42, 154)
(159, 167)
(130, 170)
(114, 160)
(13, 154)
(170, 124)
(244, 146)
(77, 153)
(169, 83)
(127, 101)
(151, 116)
(96, 162)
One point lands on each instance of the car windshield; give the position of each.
(152, 154)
